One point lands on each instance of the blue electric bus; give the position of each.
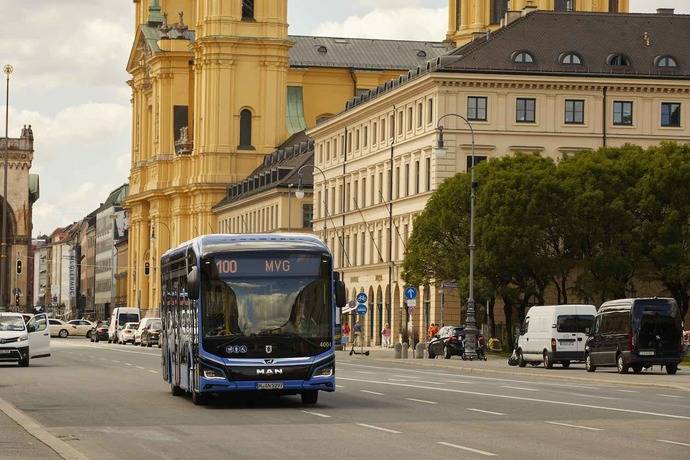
(249, 313)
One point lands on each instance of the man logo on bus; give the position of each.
(269, 349)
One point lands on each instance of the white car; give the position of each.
(20, 341)
(83, 327)
(126, 334)
(59, 328)
(143, 325)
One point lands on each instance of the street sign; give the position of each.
(361, 309)
(411, 303)
(362, 298)
(410, 293)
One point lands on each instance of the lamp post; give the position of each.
(470, 349)
(290, 206)
(7, 70)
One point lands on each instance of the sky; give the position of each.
(69, 81)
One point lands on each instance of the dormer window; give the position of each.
(523, 57)
(247, 10)
(666, 62)
(618, 60)
(570, 59)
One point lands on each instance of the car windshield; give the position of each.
(156, 325)
(575, 323)
(125, 318)
(11, 324)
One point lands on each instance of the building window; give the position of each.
(379, 244)
(428, 174)
(374, 130)
(397, 181)
(380, 187)
(670, 114)
(477, 159)
(564, 5)
(392, 126)
(570, 59)
(321, 153)
(328, 151)
(407, 180)
(307, 215)
(346, 208)
(365, 136)
(498, 10)
(364, 192)
(666, 62)
(523, 57)
(383, 130)
(355, 194)
(613, 6)
(525, 110)
(409, 118)
(618, 60)
(574, 112)
(247, 10)
(363, 242)
(417, 176)
(356, 140)
(430, 111)
(622, 113)
(373, 190)
(476, 108)
(420, 115)
(400, 122)
(246, 130)
(355, 249)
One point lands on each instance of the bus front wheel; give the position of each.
(310, 397)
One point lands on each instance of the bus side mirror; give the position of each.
(193, 283)
(340, 300)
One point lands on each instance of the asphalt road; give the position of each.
(109, 401)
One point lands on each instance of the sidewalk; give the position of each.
(16, 443)
(498, 366)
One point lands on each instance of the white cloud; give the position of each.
(650, 6)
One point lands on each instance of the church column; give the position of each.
(464, 14)
(453, 6)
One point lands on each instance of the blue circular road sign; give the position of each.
(362, 298)
(361, 309)
(410, 293)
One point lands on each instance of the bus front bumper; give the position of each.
(223, 385)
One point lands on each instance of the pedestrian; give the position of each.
(357, 329)
(345, 334)
(433, 330)
(386, 335)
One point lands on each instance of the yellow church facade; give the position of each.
(219, 84)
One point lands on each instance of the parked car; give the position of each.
(126, 334)
(59, 328)
(83, 327)
(636, 333)
(448, 342)
(99, 331)
(151, 334)
(21, 341)
(555, 334)
(121, 316)
(143, 324)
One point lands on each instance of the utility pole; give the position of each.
(4, 296)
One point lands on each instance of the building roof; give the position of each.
(362, 53)
(279, 169)
(116, 197)
(548, 35)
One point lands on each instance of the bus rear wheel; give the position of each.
(310, 397)
(175, 390)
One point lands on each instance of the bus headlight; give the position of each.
(327, 371)
(210, 373)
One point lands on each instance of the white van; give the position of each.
(119, 318)
(555, 334)
(20, 341)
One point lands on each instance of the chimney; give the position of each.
(530, 7)
(666, 11)
(510, 17)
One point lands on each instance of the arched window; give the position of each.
(666, 62)
(247, 10)
(245, 129)
(498, 10)
(523, 57)
(618, 60)
(570, 59)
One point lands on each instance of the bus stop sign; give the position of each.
(361, 309)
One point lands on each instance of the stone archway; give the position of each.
(6, 297)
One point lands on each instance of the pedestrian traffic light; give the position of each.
(19, 266)
(147, 268)
(16, 300)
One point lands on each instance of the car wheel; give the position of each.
(565, 364)
(23, 362)
(149, 344)
(446, 352)
(521, 359)
(548, 363)
(622, 368)
(588, 364)
(671, 369)
(431, 354)
(63, 334)
(88, 335)
(309, 397)
(637, 368)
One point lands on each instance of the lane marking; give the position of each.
(519, 388)
(364, 372)
(142, 368)
(417, 381)
(339, 386)
(153, 372)
(128, 364)
(628, 391)
(674, 442)
(575, 426)
(457, 381)
(406, 376)
(592, 396)
(421, 401)
(372, 392)
(485, 411)
(373, 427)
(316, 413)
(669, 396)
(468, 449)
(116, 361)
(522, 398)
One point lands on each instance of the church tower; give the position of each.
(467, 18)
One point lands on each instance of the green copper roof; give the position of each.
(295, 110)
(155, 16)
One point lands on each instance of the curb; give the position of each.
(37, 430)
(476, 370)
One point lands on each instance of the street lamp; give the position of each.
(470, 348)
(7, 70)
(290, 185)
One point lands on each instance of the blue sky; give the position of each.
(69, 81)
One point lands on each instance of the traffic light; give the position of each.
(147, 268)
(16, 300)
(19, 266)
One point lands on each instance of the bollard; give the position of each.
(419, 351)
(398, 351)
(405, 347)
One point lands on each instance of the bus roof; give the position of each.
(209, 244)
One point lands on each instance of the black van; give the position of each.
(636, 333)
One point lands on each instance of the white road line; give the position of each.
(674, 442)
(128, 364)
(468, 449)
(152, 371)
(592, 396)
(378, 428)
(405, 376)
(421, 401)
(339, 386)
(372, 392)
(364, 372)
(316, 413)
(485, 411)
(521, 398)
(575, 426)
(519, 388)
(116, 361)
(628, 391)
(669, 396)
(457, 381)
(142, 368)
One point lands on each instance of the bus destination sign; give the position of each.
(267, 266)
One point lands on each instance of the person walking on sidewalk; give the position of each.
(386, 335)
(345, 333)
(358, 339)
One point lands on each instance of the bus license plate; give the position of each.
(269, 386)
(647, 353)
